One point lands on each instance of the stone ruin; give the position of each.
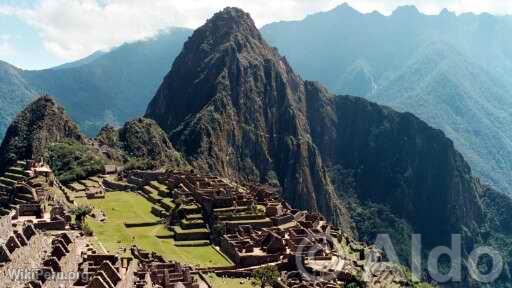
(164, 275)
(253, 227)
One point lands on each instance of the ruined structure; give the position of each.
(252, 226)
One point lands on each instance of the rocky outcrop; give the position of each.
(141, 138)
(40, 124)
(235, 108)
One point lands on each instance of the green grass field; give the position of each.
(218, 282)
(121, 207)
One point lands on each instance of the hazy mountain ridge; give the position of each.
(15, 93)
(374, 56)
(100, 89)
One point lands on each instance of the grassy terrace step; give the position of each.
(21, 164)
(232, 210)
(192, 224)
(14, 177)
(179, 230)
(250, 222)
(77, 187)
(3, 186)
(19, 201)
(191, 209)
(159, 187)
(181, 234)
(167, 204)
(197, 243)
(96, 179)
(150, 191)
(89, 183)
(25, 197)
(242, 217)
(194, 216)
(18, 171)
(7, 182)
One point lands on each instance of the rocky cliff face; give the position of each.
(40, 124)
(142, 138)
(235, 107)
(397, 160)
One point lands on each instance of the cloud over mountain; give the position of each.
(71, 29)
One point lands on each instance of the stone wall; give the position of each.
(26, 258)
(69, 265)
(118, 186)
(5, 228)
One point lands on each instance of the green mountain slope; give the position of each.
(453, 71)
(452, 93)
(15, 93)
(103, 88)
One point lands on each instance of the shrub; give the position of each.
(87, 230)
(139, 164)
(80, 213)
(266, 275)
(72, 161)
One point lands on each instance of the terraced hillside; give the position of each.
(130, 219)
(10, 194)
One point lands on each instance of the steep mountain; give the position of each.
(98, 89)
(40, 124)
(15, 93)
(452, 71)
(144, 140)
(396, 160)
(235, 107)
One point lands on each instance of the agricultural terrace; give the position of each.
(128, 207)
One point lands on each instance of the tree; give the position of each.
(266, 275)
(80, 213)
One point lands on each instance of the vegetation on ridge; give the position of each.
(72, 161)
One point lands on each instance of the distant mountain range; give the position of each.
(452, 71)
(455, 72)
(106, 87)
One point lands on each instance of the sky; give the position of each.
(38, 34)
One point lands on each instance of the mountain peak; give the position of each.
(230, 21)
(40, 124)
(406, 10)
(345, 8)
(216, 48)
(235, 108)
(446, 13)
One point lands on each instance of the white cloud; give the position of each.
(6, 48)
(72, 29)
